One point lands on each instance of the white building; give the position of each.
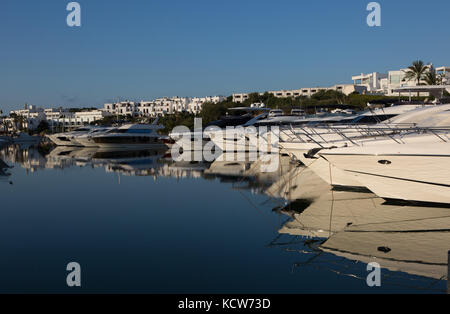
(122, 108)
(346, 89)
(76, 119)
(32, 116)
(195, 105)
(374, 82)
(162, 106)
(444, 72)
(386, 84)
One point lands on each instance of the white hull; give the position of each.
(326, 171)
(425, 179)
(398, 172)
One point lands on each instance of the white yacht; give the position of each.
(251, 139)
(67, 138)
(416, 170)
(324, 128)
(310, 141)
(85, 139)
(132, 136)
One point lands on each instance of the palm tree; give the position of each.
(417, 72)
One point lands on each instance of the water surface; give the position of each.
(140, 222)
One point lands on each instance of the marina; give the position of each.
(401, 154)
(379, 193)
(229, 156)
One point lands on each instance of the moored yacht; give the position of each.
(418, 170)
(132, 136)
(309, 141)
(86, 140)
(67, 138)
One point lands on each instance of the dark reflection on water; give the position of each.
(137, 221)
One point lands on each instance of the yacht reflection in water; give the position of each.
(335, 229)
(130, 162)
(358, 226)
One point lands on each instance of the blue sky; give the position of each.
(142, 49)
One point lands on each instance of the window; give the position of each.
(395, 79)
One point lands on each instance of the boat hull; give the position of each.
(326, 171)
(403, 177)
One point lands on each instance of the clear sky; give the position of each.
(143, 49)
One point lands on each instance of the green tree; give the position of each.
(416, 72)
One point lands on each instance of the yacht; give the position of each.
(239, 116)
(418, 169)
(320, 125)
(132, 136)
(67, 138)
(309, 141)
(292, 127)
(85, 139)
(215, 132)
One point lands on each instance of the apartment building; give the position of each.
(374, 82)
(386, 84)
(444, 73)
(162, 106)
(346, 89)
(32, 116)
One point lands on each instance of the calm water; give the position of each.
(140, 222)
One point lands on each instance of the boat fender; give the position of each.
(384, 249)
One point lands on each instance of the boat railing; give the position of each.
(308, 136)
(395, 132)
